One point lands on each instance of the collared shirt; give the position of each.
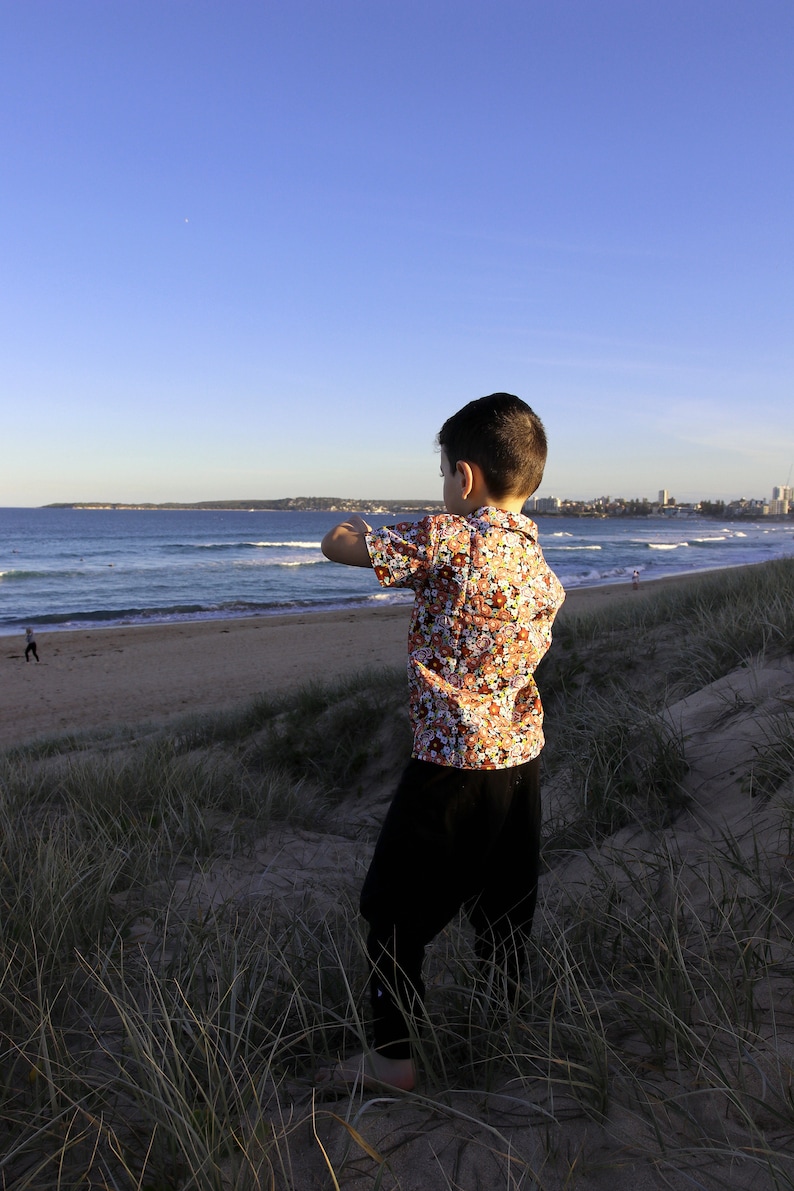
(485, 602)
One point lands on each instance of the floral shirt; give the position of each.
(485, 602)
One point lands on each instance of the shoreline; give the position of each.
(101, 676)
(354, 605)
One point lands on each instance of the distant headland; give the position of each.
(780, 507)
(301, 504)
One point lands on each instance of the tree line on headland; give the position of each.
(301, 504)
(601, 507)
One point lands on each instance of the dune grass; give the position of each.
(698, 631)
(150, 1038)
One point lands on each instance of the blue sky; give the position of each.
(262, 249)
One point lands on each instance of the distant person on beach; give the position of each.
(30, 646)
(463, 829)
(635, 580)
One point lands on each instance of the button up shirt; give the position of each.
(484, 606)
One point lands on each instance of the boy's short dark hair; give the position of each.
(504, 437)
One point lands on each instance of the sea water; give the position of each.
(65, 568)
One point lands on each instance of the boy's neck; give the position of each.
(508, 504)
(472, 491)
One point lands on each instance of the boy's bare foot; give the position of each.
(370, 1070)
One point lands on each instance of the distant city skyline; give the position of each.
(782, 506)
(665, 497)
(270, 247)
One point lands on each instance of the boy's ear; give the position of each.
(466, 478)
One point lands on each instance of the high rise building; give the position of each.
(782, 499)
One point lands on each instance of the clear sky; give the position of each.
(262, 248)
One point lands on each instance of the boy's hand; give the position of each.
(345, 542)
(358, 523)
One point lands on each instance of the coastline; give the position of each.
(101, 677)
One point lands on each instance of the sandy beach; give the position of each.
(101, 677)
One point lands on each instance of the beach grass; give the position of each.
(180, 947)
(684, 636)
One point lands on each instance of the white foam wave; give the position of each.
(268, 564)
(666, 545)
(286, 545)
(299, 562)
(390, 597)
(569, 548)
(592, 576)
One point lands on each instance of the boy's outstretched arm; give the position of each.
(345, 542)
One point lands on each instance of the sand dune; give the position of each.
(718, 877)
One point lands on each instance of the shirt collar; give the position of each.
(517, 522)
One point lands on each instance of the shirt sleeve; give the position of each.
(402, 554)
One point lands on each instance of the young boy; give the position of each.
(463, 829)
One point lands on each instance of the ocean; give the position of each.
(69, 568)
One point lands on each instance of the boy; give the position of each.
(463, 828)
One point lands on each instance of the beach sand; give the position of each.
(103, 677)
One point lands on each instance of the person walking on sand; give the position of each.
(463, 829)
(30, 646)
(635, 581)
